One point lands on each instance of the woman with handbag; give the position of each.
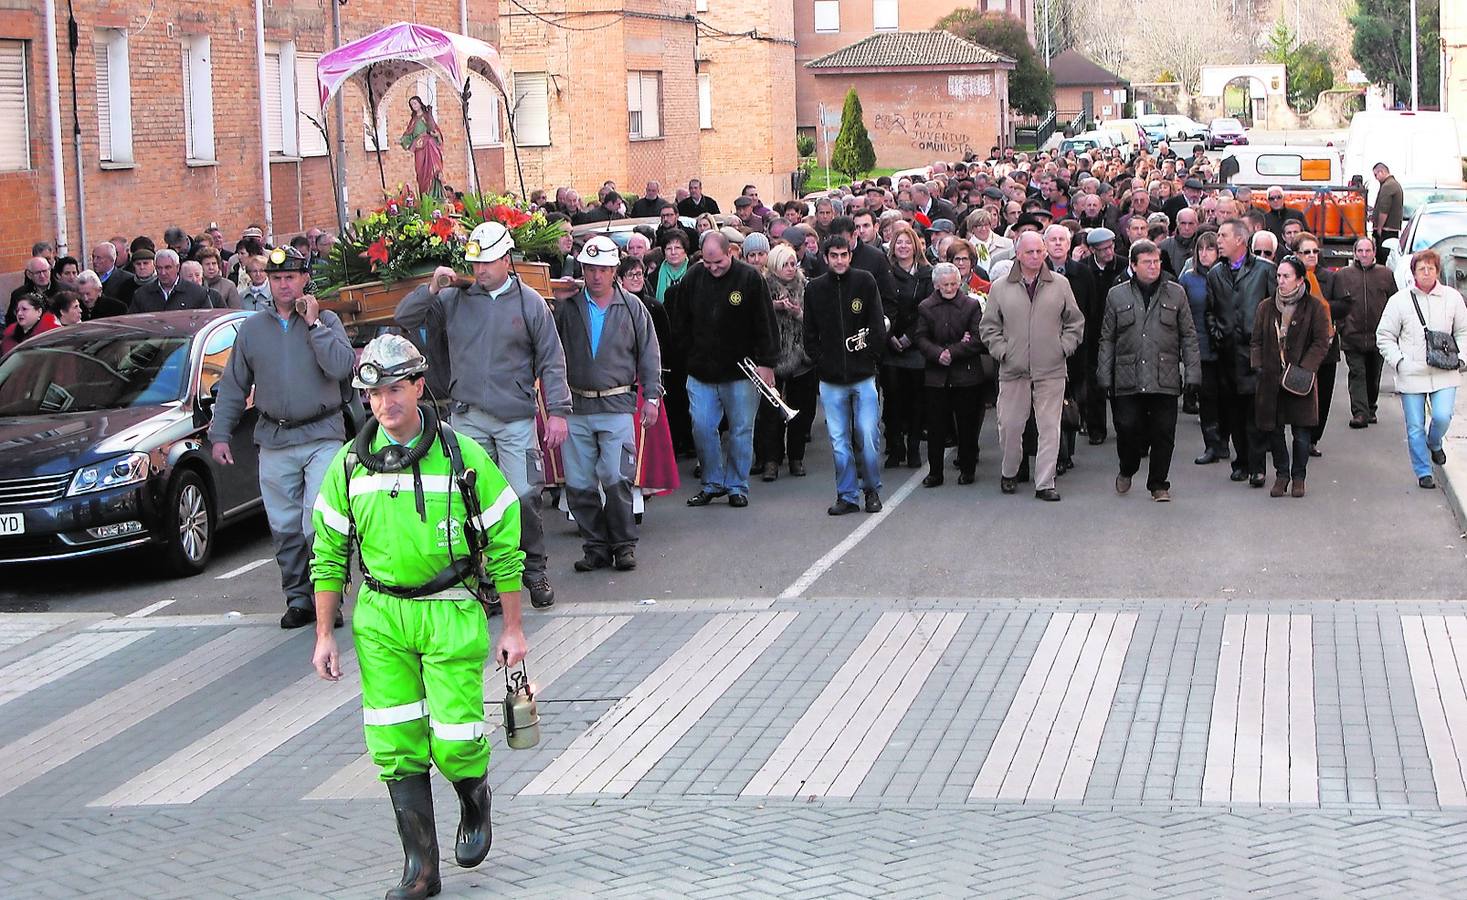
(1290, 340)
(1419, 335)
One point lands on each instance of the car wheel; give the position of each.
(189, 523)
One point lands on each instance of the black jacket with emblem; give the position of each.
(837, 307)
(1144, 347)
(719, 321)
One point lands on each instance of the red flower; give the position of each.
(442, 228)
(377, 253)
(509, 217)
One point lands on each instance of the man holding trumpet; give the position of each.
(721, 313)
(844, 335)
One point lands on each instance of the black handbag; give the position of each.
(1441, 346)
(1297, 380)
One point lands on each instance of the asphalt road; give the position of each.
(1364, 531)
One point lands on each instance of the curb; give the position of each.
(1453, 476)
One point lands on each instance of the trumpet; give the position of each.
(751, 371)
(857, 342)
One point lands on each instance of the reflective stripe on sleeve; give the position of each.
(491, 516)
(466, 731)
(396, 715)
(330, 517)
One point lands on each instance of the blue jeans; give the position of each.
(1418, 440)
(840, 400)
(725, 466)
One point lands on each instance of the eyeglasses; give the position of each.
(1268, 253)
(637, 273)
(1302, 252)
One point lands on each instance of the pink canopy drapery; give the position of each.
(379, 60)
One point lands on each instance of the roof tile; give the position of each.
(894, 49)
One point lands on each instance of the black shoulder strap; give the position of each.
(349, 465)
(1419, 317)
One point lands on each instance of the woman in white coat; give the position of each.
(1401, 338)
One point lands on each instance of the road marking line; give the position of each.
(555, 650)
(1436, 678)
(235, 746)
(1046, 746)
(149, 609)
(833, 746)
(630, 738)
(247, 567)
(827, 562)
(1260, 746)
(47, 748)
(61, 659)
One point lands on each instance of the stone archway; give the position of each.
(1241, 101)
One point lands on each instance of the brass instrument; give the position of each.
(857, 342)
(751, 371)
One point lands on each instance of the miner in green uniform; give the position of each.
(430, 515)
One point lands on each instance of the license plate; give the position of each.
(11, 523)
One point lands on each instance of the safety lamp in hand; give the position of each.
(521, 719)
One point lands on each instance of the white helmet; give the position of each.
(490, 241)
(387, 359)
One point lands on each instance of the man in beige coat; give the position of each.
(1031, 326)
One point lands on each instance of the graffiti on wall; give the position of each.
(932, 131)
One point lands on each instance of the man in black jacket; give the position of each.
(1105, 269)
(169, 291)
(845, 332)
(865, 256)
(1235, 286)
(720, 315)
(696, 203)
(117, 283)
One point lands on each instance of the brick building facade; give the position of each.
(168, 101)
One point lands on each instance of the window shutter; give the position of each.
(382, 138)
(15, 140)
(100, 51)
(827, 16)
(483, 112)
(532, 109)
(198, 99)
(884, 15)
(705, 101)
(308, 104)
(651, 108)
(273, 115)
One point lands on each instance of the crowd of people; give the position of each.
(1073, 294)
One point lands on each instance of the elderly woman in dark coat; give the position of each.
(1296, 320)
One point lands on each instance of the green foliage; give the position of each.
(1309, 66)
(805, 145)
(1382, 45)
(1031, 87)
(852, 154)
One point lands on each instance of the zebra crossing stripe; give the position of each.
(1261, 742)
(626, 742)
(246, 739)
(51, 746)
(833, 746)
(554, 650)
(61, 659)
(1436, 648)
(1046, 745)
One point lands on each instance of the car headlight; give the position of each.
(111, 473)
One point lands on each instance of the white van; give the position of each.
(1293, 165)
(1419, 147)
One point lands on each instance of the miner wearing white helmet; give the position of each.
(611, 352)
(501, 341)
(433, 521)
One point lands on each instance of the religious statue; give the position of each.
(426, 141)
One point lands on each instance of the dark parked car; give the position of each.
(102, 440)
(1226, 132)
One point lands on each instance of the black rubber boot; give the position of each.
(475, 831)
(412, 801)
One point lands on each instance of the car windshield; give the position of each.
(1416, 197)
(1152, 121)
(1437, 226)
(1226, 125)
(94, 371)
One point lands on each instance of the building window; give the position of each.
(114, 96)
(198, 99)
(309, 139)
(705, 101)
(644, 110)
(884, 15)
(281, 115)
(531, 115)
(483, 113)
(15, 141)
(827, 16)
(996, 5)
(700, 6)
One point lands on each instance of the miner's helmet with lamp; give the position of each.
(488, 242)
(388, 359)
(287, 259)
